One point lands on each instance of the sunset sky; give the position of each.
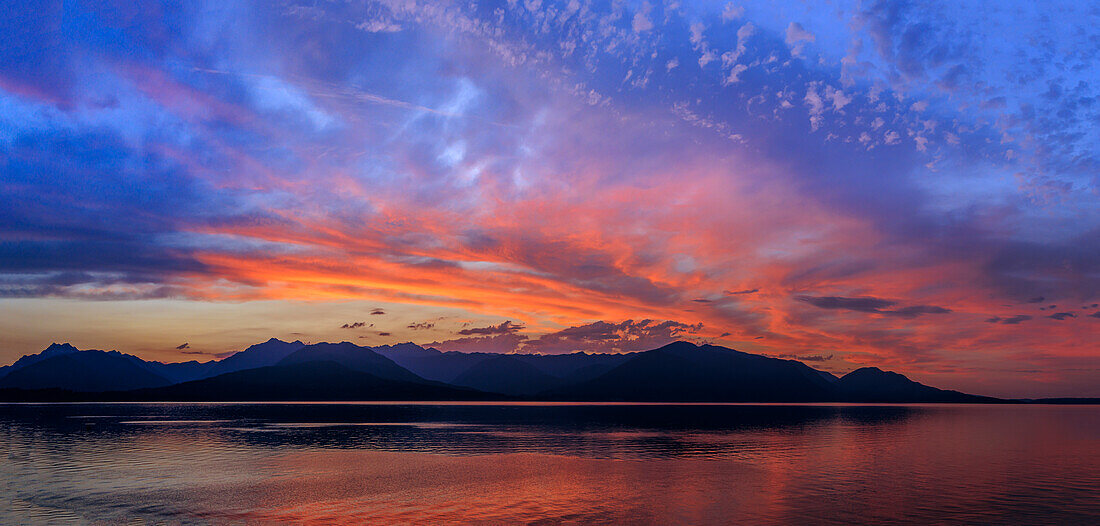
(910, 186)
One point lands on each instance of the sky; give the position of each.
(914, 186)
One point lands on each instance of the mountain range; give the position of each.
(279, 370)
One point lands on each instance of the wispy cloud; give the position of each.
(871, 305)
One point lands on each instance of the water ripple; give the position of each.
(420, 463)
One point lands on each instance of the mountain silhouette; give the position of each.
(353, 357)
(871, 384)
(279, 370)
(431, 363)
(434, 364)
(507, 374)
(259, 355)
(177, 372)
(575, 367)
(85, 371)
(66, 375)
(55, 349)
(684, 372)
(312, 380)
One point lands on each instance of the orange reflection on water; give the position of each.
(564, 463)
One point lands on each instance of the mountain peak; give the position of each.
(678, 346)
(323, 347)
(874, 372)
(273, 343)
(406, 348)
(277, 341)
(354, 357)
(257, 355)
(60, 348)
(871, 384)
(62, 366)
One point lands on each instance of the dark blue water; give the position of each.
(662, 464)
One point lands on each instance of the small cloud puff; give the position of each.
(504, 328)
(797, 37)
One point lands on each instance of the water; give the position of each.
(548, 464)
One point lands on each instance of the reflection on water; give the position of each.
(549, 463)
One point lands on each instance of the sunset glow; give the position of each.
(867, 184)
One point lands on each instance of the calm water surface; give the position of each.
(667, 464)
